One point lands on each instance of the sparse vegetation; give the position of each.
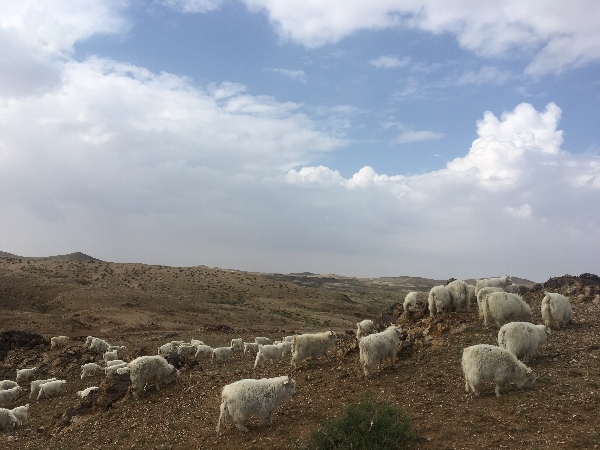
(364, 426)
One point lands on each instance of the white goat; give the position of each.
(50, 389)
(556, 310)
(459, 295)
(439, 300)
(35, 387)
(410, 301)
(8, 395)
(59, 341)
(25, 374)
(523, 338)
(89, 369)
(245, 398)
(502, 307)
(375, 347)
(311, 345)
(150, 369)
(488, 362)
(363, 328)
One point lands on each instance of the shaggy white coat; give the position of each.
(363, 328)
(87, 391)
(88, 341)
(439, 300)
(262, 340)
(50, 389)
(8, 420)
(7, 384)
(556, 310)
(287, 348)
(89, 369)
(221, 353)
(482, 295)
(523, 338)
(311, 345)
(35, 387)
(250, 347)
(250, 397)
(500, 282)
(59, 341)
(146, 370)
(203, 349)
(459, 295)
(502, 307)
(410, 301)
(8, 395)
(110, 356)
(20, 413)
(375, 347)
(99, 345)
(268, 353)
(111, 371)
(120, 349)
(484, 362)
(115, 362)
(187, 350)
(165, 349)
(25, 374)
(237, 344)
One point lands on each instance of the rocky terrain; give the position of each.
(143, 306)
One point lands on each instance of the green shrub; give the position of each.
(364, 427)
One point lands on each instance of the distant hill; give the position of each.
(77, 256)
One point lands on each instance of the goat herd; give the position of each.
(496, 300)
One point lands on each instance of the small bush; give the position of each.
(364, 427)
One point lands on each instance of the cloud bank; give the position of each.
(515, 203)
(554, 35)
(125, 164)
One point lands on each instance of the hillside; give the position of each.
(143, 306)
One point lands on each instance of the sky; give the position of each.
(433, 138)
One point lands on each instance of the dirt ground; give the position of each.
(144, 306)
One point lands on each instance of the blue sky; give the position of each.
(426, 138)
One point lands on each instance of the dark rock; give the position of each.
(111, 389)
(10, 340)
(176, 360)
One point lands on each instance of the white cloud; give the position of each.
(409, 136)
(556, 35)
(443, 219)
(36, 37)
(485, 75)
(295, 75)
(52, 27)
(194, 6)
(522, 212)
(118, 157)
(390, 62)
